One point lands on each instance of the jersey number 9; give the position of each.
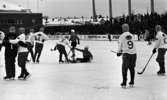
(130, 44)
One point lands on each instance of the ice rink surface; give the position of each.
(99, 80)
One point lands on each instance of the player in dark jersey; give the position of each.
(147, 37)
(109, 37)
(87, 55)
(10, 53)
(74, 39)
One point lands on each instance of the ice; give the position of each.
(99, 80)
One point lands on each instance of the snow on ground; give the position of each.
(99, 80)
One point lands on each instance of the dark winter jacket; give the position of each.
(10, 49)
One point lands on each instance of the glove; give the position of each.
(51, 49)
(154, 51)
(29, 45)
(1, 41)
(43, 40)
(119, 54)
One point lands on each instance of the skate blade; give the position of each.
(8, 79)
(64, 62)
(20, 78)
(27, 77)
(131, 86)
(124, 87)
(161, 74)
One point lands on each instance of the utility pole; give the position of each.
(94, 10)
(110, 9)
(152, 7)
(129, 9)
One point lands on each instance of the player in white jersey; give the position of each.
(2, 36)
(126, 47)
(161, 46)
(40, 38)
(61, 47)
(22, 52)
(31, 40)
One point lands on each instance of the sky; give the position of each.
(65, 8)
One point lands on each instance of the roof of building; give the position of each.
(11, 7)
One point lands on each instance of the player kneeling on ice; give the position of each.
(87, 55)
(126, 48)
(161, 46)
(22, 53)
(60, 46)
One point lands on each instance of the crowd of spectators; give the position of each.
(138, 24)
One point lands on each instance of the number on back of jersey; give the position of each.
(129, 41)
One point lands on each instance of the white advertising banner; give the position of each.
(91, 37)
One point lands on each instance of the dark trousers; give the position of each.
(38, 51)
(10, 64)
(73, 44)
(22, 58)
(62, 51)
(161, 59)
(83, 60)
(32, 53)
(129, 62)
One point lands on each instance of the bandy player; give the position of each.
(126, 48)
(161, 46)
(2, 36)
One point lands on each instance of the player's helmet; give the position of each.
(125, 27)
(86, 48)
(158, 28)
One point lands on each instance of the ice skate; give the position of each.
(67, 62)
(37, 61)
(6, 78)
(12, 78)
(21, 77)
(131, 84)
(61, 61)
(123, 85)
(73, 56)
(28, 75)
(161, 73)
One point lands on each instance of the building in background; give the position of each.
(15, 15)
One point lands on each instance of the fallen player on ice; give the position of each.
(87, 55)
